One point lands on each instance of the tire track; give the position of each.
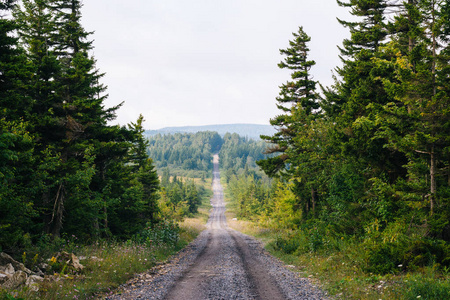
(220, 264)
(201, 280)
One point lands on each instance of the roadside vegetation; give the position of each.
(106, 263)
(359, 195)
(342, 265)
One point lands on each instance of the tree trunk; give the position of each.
(313, 199)
(433, 185)
(58, 211)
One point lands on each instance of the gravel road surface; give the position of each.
(220, 264)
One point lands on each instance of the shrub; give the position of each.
(286, 244)
(383, 258)
(423, 287)
(426, 252)
(165, 232)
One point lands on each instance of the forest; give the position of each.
(362, 167)
(181, 152)
(64, 170)
(358, 171)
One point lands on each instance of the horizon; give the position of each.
(207, 125)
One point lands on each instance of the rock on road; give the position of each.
(220, 264)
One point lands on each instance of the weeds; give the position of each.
(340, 264)
(106, 264)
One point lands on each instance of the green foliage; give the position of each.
(286, 244)
(179, 198)
(166, 233)
(424, 287)
(183, 153)
(88, 179)
(249, 194)
(239, 154)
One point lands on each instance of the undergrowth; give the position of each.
(359, 267)
(342, 266)
(107, 264)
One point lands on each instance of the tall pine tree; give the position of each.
(298, 93)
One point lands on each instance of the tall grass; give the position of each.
(110, 264)
(339, 265)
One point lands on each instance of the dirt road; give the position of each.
(221, 264)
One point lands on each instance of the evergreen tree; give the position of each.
(145, 172)
(359, 95)
(67, 114)
(16, 143)
(298, 94)
(421, 90)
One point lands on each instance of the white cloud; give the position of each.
(205, 62)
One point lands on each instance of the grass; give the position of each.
(106, 266)
(110, 264)
(338, 268)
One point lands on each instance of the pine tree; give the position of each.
(296, 94)
(16, 143)
(145, 172)
(359, 95)
(421, 90)
(67, 114)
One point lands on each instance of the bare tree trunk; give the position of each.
(433, 185)
(313, 199)
(58, 211)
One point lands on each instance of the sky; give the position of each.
(204, 62)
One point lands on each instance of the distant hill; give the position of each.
(252, 131)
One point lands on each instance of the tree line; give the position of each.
(185, 154)
(238, 156)
(368, 157)
(63, 169)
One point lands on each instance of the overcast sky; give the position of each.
(203, 62)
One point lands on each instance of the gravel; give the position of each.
(220, 264)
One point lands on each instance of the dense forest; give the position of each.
(190, 154)
(63, 170)
(183, 152)
(250, 131)
(367, 159)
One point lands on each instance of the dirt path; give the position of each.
(221, 264)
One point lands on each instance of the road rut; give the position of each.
(220, 264)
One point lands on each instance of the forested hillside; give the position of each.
(190, 154)
(185, 154)
(251, 131)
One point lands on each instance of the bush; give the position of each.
(391, 257)
(286, 244)
(383, 258)
(423, 287)
(307, 240)
(162, 233)
(426, 252)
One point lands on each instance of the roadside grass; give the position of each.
(340, 274)
(108, 264)
(192, 226)
(338, 266)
